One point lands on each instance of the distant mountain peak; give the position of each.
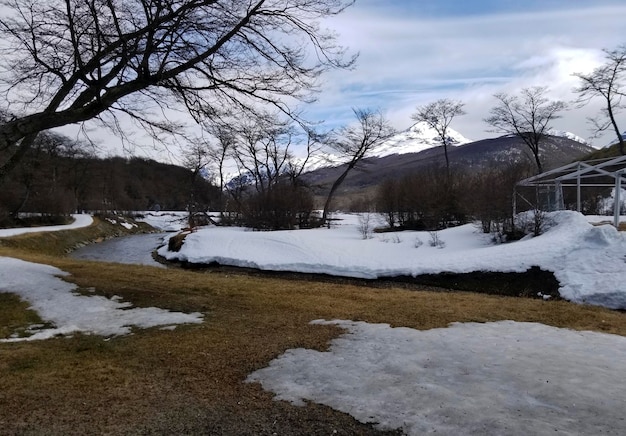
(418, 137)
(568, 135)
(415, 139)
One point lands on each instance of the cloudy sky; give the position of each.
(416, 51)
(412, 52)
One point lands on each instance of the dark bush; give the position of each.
(282, 206)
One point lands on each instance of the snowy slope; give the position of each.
(417, 138)
(568, 135)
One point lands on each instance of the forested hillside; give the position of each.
(58, 177)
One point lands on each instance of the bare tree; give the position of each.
(527, 116)
(262, 149)
(438, 115)
(268, 192)
(219, 153)
(196, 159)
(69, 62)
(354, 142)
(220, 144)
(606, 82)
(315, 141)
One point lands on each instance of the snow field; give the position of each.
(588, 261)
(468, 379)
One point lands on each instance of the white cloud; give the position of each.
(409, 60)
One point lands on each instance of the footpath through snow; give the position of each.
(80, 220)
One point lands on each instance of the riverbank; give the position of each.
(193, 379)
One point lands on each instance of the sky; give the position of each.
(414, 52)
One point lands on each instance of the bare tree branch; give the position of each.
(607, 83)
(70, 61)
(355, 142)
(527, 116)
(438, 115)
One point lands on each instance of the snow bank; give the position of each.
(57, 302)
(588, 261)
(80, 220)
(166, 221)
(469, 379)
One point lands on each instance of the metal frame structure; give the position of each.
(609, 172)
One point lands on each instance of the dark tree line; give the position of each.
(436, 198)
(425, 200)
(58, 177)
(268, 193)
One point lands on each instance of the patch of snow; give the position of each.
(167, 221)
(468, 379)
(58, 302)
(605, 205)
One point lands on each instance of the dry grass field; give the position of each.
(191, 380)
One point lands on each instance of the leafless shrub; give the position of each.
(533, 222)
(365, 225)
(435, 240)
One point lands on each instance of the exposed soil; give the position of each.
(533, 283)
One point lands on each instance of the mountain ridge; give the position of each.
(472, 156)
(416, 139)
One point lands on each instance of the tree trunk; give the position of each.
(617, 132)
(336, 185)
(25, 145)
(538, 162)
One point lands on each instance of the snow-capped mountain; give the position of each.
(568, 135)
(420, 142)
(417, 138)
(473, 156)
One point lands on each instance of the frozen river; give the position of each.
(134, 249)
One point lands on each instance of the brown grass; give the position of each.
(190, 380)
(15, 315)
